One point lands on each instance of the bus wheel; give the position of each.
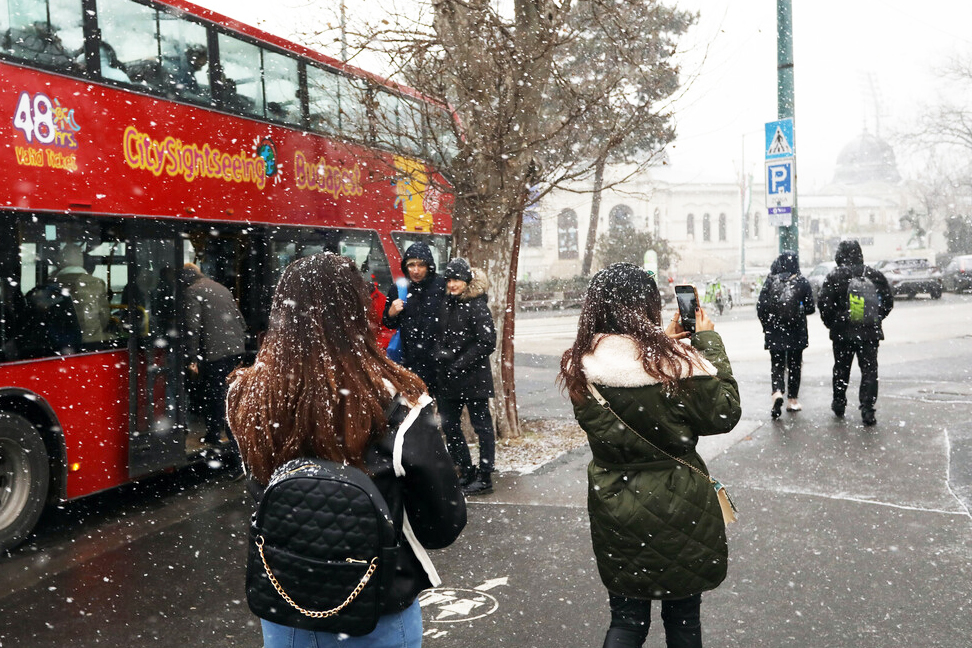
(24, 478)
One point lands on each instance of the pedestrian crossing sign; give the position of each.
(779, 139)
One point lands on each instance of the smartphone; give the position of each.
(688, 303)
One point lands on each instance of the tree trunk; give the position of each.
(595, 217)
(499, 263)
(506, 347)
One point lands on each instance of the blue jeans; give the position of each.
(397, 630)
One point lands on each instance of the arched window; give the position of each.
(619, 220)
(722, 227)
(567, 234)
(656, 229)
(690, 226)
(706, 228)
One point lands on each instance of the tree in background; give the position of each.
(629, 245)
(958, 233)
(545, 93)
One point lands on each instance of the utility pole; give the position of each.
(789, 236)
(344, 35)
(743, 212)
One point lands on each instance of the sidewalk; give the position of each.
(847, 536)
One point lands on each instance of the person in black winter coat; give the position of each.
(852, 337)
(417, 317)
(464, 377)
(785, 327)
(322, 387)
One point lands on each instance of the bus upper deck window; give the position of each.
(46, 33)
(240, 85)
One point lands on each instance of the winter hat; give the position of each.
(420, 251)
(623, 283)
(459, 269)
(849, 253)
(788, 262)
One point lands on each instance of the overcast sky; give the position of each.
(858, 63)
(842, 49)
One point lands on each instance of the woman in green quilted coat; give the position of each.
(656, 525)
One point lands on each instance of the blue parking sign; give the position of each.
(779, 183)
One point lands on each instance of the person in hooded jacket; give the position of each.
(852, 338)
(785, 333)
(656, 524)
(417, 318)
(322, 387)
(464, 377)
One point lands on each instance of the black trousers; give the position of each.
(867, 354)
(788, 364)
(450, 411)
(213, 375)
(631, 618)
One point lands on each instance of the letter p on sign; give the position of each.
(779, 183)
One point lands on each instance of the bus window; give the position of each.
(443, 144)
(240, 83)
(364, 248)
(353, 109)
(44, 32)
(69, 276)
(361, 246)
(282, 88)
(129, 29)
(440, 244)
(412, 123)
(154, 49)
(398, 123)
(185, 58)
(323, 91)
(387, 120)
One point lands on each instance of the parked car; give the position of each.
(957, 275)
(911, 276)
(817, 276)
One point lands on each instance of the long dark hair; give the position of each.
(318, 386)
(623, 299)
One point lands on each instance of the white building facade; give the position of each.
(721, 230)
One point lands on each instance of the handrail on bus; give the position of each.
(145, 316)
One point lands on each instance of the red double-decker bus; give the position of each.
(139, 136)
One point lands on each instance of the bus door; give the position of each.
(151, 311)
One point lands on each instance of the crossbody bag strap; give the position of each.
(413, 541)
(606, 405)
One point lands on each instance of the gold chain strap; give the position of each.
(313, 613)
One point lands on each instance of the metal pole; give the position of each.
(789, 236)
(344, 35)
(742, 210)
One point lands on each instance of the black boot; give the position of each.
(482, 486)
(868, 417)
(466, 477)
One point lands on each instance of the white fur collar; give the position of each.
(615, 363)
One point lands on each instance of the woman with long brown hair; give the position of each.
(321, 386)
(644, 396)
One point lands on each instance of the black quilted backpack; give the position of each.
(322, 549)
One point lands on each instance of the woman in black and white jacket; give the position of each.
(321, 386)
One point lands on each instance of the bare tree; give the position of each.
(545, 92)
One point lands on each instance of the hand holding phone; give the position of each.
(688, 302)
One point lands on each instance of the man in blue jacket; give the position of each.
(417, 317)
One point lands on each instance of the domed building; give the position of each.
(866, 159)
(865, 200)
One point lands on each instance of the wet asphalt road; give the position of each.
(847, 537)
